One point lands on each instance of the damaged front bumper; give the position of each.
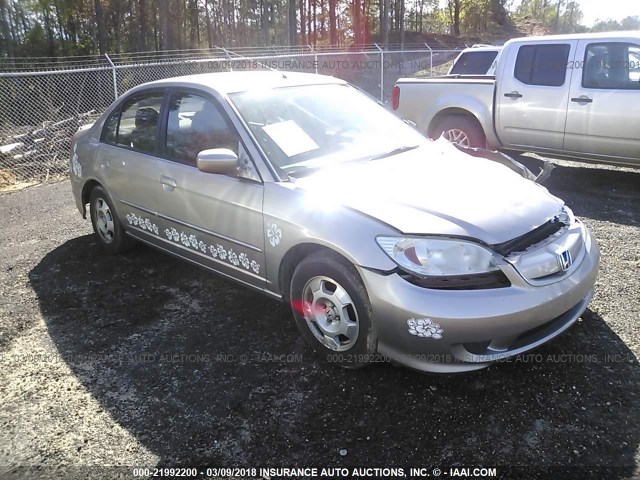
(462, 330)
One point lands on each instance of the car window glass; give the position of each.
(110, 127)
(308, 126)
(614, 65)
(196, 124)
(138, 128)
(542, 64)
(474, 63)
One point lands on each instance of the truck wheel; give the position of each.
(461, 130)
(332, 311)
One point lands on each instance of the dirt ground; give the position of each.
(144, 360)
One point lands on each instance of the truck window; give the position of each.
(542, 64)
(614, 65)
(474, 63)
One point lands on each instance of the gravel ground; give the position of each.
(144, 360)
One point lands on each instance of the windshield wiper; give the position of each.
(395, 151)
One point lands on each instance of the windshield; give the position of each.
(306, 127)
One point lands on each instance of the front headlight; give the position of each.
(438, 257)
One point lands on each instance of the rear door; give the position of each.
(214, 220)
(532, 94)
(128, 163)
(602, 118)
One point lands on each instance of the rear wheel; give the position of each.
(461, 130)
(107, 228)
(332, 311)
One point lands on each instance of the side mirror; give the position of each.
(217, 160)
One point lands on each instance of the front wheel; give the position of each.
(107, 228)
(332, 311)
(461, 130)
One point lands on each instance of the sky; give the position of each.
(594, 10)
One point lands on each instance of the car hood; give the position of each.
(436, 189)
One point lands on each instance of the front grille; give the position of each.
(536, 235)
(476, 281)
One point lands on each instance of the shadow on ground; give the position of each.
(191, 365)
(592, 191)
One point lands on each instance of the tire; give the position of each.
(338, 324)
(462, 130)
(106, 227)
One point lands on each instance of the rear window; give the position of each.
(542, 64)
(474, 63)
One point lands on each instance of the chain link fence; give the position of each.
(44, 101)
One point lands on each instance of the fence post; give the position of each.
(315, 57)
(381, 72)
(115, 78)
(430, 60)
(226, 52)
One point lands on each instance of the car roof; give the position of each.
(231, 82)
(580, 36)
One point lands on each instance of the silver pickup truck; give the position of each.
(563, 95)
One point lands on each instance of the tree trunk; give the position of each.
(144, 26)
(49, 30)
(303, 23)
(8, 38)
(165, 32)
(293, 23)
(402, 24)
(384, 25)
(333, 32)
(207, 15)
(193, 24)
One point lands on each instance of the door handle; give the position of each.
(168, 183)
(582, 99)
(513, 95)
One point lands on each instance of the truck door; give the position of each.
(532, 94)
(602, 117)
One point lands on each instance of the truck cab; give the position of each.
(571, 95)
(563, 95)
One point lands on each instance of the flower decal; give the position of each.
(76, 168)
(233, 258)
(143, 223)
(217, 251)
(274, 234)
(255, 266)
(184, 239)
(425, 328)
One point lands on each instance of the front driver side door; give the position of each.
(214, 220)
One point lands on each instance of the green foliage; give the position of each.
(85, 27)
(627, 23)
(35, 42)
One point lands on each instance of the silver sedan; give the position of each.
(385, 244)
